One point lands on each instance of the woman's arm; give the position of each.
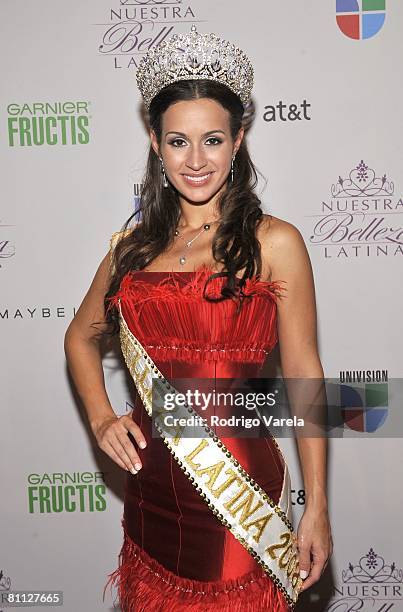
(284, 249)
(82, 349)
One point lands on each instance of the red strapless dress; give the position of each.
(176, 554)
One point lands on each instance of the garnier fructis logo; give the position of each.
(48, 123)
(66, 492)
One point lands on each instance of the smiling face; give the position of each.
(197, 148)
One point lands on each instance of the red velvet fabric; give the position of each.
(165, 519)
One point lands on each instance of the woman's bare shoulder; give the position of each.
(278, 235)
(280, 240)
(277, 229)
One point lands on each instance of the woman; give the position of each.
(194, 288)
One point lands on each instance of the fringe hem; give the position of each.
(144, 585)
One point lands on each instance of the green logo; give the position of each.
(66, 492)
(45, 123)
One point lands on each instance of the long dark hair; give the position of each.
(235, 244)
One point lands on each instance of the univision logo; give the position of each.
(137, 189)
(364, 408)
(360, 19)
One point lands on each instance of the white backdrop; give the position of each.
(63, 197)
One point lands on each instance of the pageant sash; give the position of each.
(260, 525)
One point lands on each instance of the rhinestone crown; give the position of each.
(194, 56)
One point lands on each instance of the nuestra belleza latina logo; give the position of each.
(370, 584)
(7, 246)
(360, 218)
(135, 26)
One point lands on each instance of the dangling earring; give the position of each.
(232, 169)
(164, 177)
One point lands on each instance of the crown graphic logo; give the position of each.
(195, 56)
(362, 182)
(372, 568)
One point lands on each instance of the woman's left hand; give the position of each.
(315, 544)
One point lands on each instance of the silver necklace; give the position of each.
(205, 228)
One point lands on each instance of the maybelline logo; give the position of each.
(135, 26)
(371, 584)
(35, 313)
(360, 218)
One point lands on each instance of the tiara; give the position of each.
(194, 56)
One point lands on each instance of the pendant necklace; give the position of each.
(205, 228)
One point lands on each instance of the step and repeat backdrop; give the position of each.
(326, 137)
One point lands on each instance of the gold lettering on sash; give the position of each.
(292, 564)
(296, 577)
(248, 511)
(174, 431)
(232, 478)
(156, 413)
(178, 437)
(271, 549)
(142, 378)
(232, 501)
(260, 524)
(283, 561)
(189, 458)
(214, 471)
